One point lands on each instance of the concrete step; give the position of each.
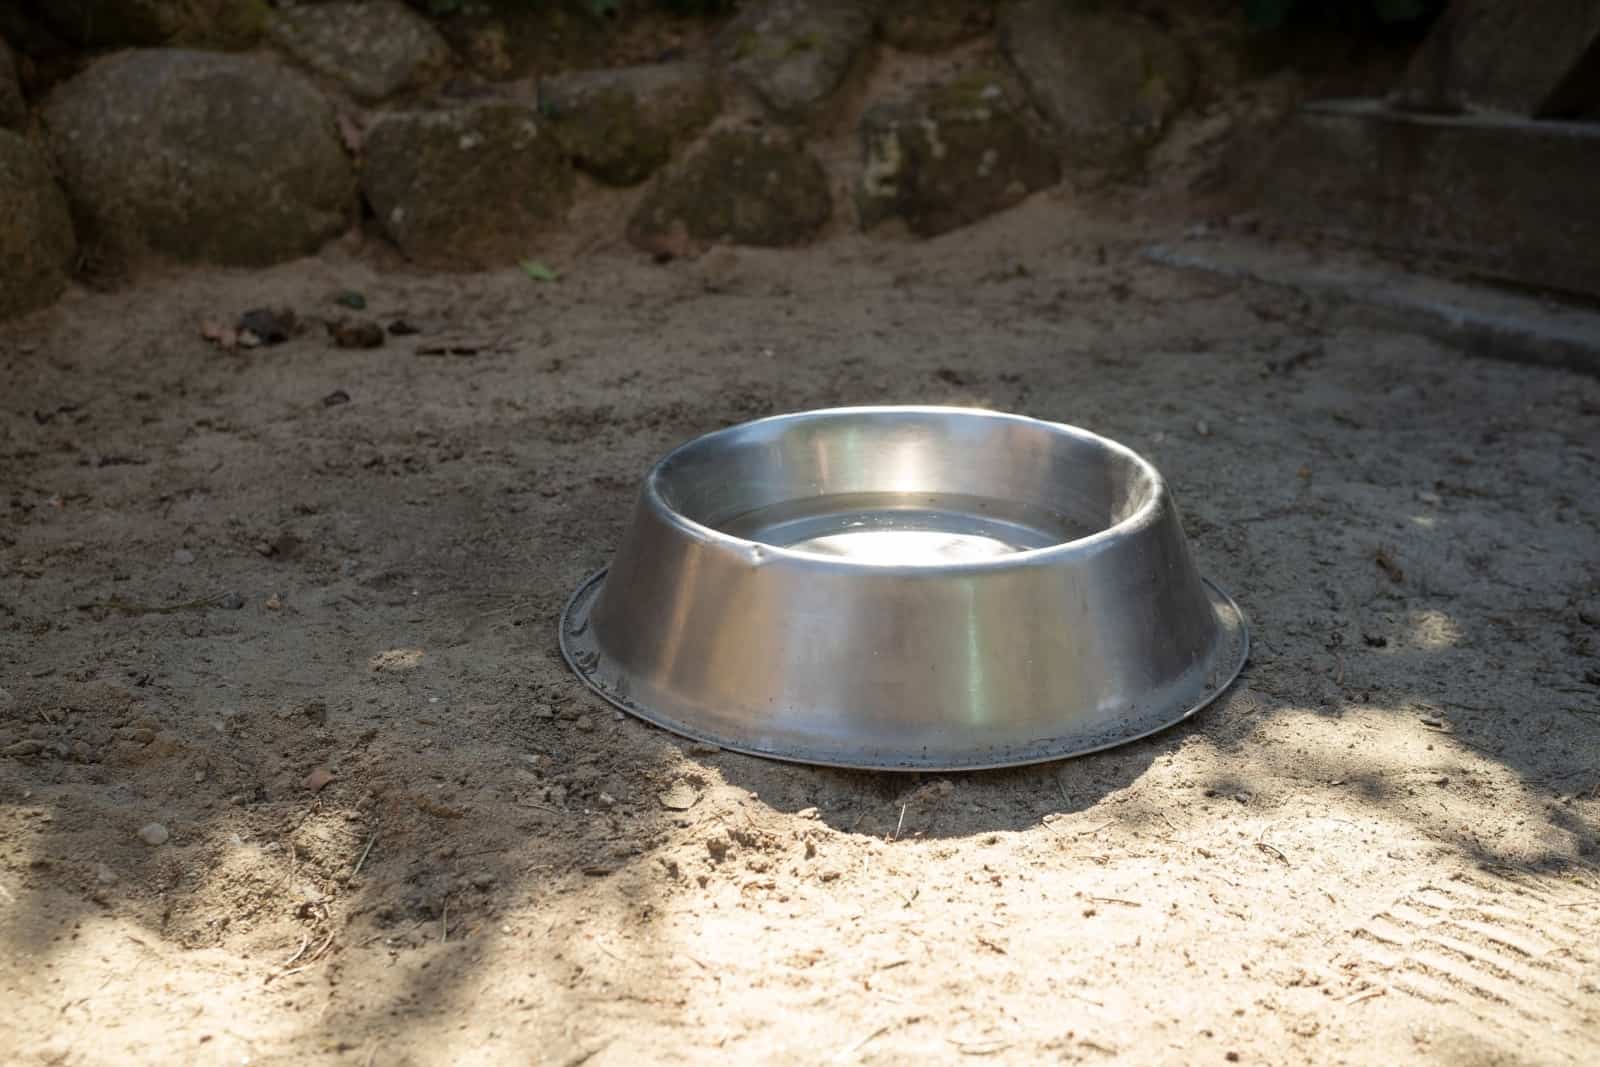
(1508, 198)
(1480, 320)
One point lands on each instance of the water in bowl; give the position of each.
(905, 529)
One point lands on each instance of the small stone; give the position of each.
(357, 333)
(717, 847)
(270, 326)
(808, 813)
(745, 187)
(483, 880)
(796, 55)
(585, 724)
(104, 875)
(154, 834)
(374, 49)
(232, 601)
(351, 298)
(274, 603)
(317, 780)
(1589, 612)
(606, 800)
(7, 701)
(336, 398)
(182, 557)
(348, 567)
(680, 796)
(700, 748)
(25, 747)
(1203, 428)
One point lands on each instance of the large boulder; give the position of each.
(795, 55)
(373, 49)
(1108, 82)
(931, 25)
(621, 125)
(36, 243)
(468, 188)
(746, 186)
(13, 109)
(201, 157)
(949, 155)
(119, 23)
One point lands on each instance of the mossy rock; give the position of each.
(933, 25)
(622, 125)
(949, 155)
(36, 240)
(13, 108)
(199, 157)
(148, 23)
(469, 188)
(1108, 82)
(796, 55)
(371, 48)
(745, 186)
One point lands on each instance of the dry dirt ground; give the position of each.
(1379, 847)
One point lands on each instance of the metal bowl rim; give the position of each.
(1146, 514)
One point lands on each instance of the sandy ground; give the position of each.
(1379, 847)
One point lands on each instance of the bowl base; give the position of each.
(582, 653)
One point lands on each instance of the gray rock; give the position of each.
(201, 157)
(949, 155)
(1108, 82)
(36, 241)
(747, 186)
(374, 49)
(795, 55)
(469, 188)
(621, 125)
(116, 23)
(154, 834)
(13, 108)
(931, 25)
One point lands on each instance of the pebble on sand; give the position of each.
(153, 834)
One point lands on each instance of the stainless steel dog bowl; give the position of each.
(907, 588)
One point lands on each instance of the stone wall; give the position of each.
(235, 133)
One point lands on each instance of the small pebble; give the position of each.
(232, 601)
(317, 780)
(1202, 428)
(359, 333)
(104, 875)
(585, 724)
(483, 880)
(153, 834)
(347, 567)
(680, 797)
(183, 557)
